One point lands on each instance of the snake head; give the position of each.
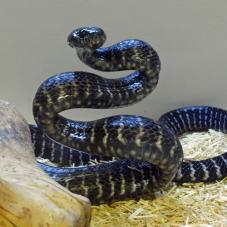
(87, 37)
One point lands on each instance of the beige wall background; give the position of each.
(190, 37)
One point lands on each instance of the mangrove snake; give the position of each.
(147, 153)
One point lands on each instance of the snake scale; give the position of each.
(133, 155)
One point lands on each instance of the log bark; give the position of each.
(29, 197)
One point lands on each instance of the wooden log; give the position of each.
(29, 197)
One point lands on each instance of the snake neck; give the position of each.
(129, 54)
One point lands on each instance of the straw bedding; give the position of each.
(194, 204)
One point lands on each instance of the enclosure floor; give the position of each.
(194, 204)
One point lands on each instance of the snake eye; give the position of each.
(91, 37)
(84, 33)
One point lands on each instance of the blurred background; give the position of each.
(189, 36)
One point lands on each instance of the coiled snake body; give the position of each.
(148, 154)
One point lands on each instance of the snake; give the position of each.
(123, 156)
